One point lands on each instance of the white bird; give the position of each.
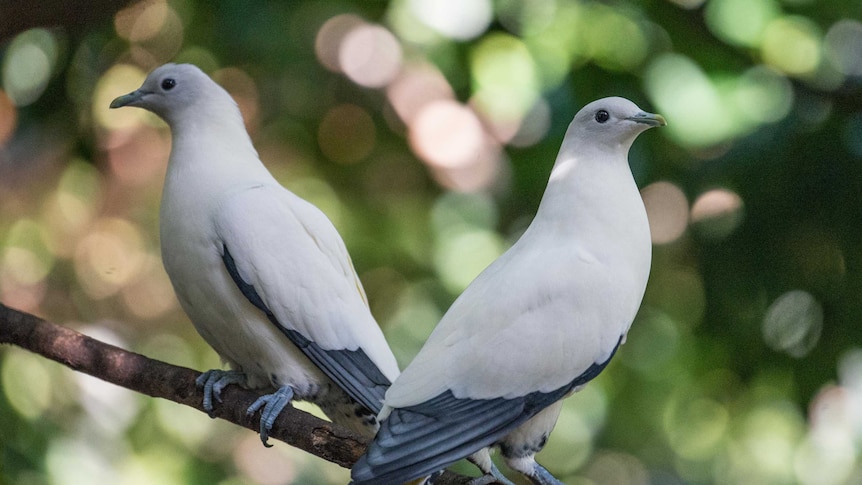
(538, 324)
(262, 274)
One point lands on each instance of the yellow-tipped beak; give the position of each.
(649, 119)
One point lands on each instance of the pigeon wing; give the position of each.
(418, 440)
(288, 260)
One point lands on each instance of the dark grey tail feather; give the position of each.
(419, 440)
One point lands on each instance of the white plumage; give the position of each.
(263, 275)
(536, 325)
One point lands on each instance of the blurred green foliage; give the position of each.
(426, 130)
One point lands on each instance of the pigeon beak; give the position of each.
(131, 99)
(650, 119)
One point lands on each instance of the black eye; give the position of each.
(602, 116)
(168, 84)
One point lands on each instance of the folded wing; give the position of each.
(310, 292)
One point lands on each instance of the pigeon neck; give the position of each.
(220, 125)
(592, 189)
(583, 171)
(214, 146)
(592, 206)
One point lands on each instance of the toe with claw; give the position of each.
(494, 476)
(213, 382)
(541, 476)
(272, 405)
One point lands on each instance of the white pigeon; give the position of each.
(538, 324)
(262, 274)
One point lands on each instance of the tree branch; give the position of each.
(159, 379)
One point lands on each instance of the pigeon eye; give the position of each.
(602, 116)
(168, 84)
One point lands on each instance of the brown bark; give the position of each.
(159, 379)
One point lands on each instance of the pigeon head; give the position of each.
(611, 122)
(172, 90)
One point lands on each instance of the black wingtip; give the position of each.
(352, 370)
